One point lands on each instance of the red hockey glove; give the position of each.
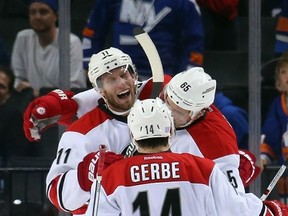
(46, 111)
(87, 169)
(248, 169)
(277, 208)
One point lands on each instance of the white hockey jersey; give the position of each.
(170, 184)
(212, 137)
(83, 137)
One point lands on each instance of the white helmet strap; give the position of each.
(193, 118)
(124, 113)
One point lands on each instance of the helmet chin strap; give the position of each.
(193, 118)
(124, 113)
(187, 123)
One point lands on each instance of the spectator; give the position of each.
(35, 55)
(12, 138)
(236, 116)
(159, 182)
(281, 44)
(275, 130)
(174, 26)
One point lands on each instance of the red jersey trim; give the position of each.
(214, 131)
(89, 121)
(147, 90)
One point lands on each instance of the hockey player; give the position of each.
(114, 77)
(190, 96)
(159, 182)
(61, 168)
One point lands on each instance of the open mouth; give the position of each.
(124, 94)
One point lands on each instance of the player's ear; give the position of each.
(102, 92)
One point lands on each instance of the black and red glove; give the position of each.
(248, 169)
(275, 208)
(87, 168)
(45, 111)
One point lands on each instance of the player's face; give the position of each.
(181, 116)
(4, 87)
(118, 88)
(283, 78)
(42, 18)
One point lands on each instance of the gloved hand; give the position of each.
(248, 169)
(277, 208)
(87, 168)
(46, 111)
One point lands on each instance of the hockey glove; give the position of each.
(248, 169)
(87, 169)
(45, 111)
(276, 208)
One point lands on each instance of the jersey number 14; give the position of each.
(171, 203)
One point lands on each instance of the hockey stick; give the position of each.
(154, 59)
(156, 67)
(102, 150)
(273, 182)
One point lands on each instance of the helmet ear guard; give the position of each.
(192, 90)
(105, 61)
(150, 118)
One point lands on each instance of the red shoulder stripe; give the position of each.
(89, 121)
(214, 132)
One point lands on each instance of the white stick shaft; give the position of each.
(152, 54)
(102, 149)
(273, 182)
(97, 195)
(154, 59)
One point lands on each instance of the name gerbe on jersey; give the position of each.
(153, 171)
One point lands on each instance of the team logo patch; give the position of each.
(41, 110)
